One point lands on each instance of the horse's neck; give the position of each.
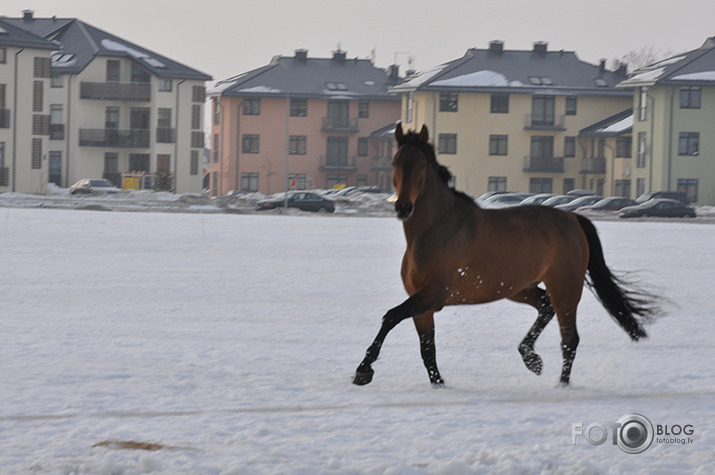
(432, 208)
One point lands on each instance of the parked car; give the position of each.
(489, 194)
(662, 207)
(537, 199)
(507, 199)
(303, 200)
(581, 192)
(93, 185)
(578, 202)
(671, 195)
(609, 204)
(559, 200)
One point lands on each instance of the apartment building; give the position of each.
(674, 104)
(302, 122)
(114, 108)
(24, 109)
(512, 119)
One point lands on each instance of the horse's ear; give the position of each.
(399, 134)
(424, 134)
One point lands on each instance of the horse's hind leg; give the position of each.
(425, 329)
(539, 299)
(566, 314)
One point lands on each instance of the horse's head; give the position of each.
(410, 167)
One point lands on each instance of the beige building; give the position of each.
(674, 144)
(112, 108)
(511, 120)
(24, 109)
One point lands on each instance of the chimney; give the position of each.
(540, 47)
(339, 55)
(28, 14)
(301, 54)
(602, 66)
(496, 46)
(393, 72)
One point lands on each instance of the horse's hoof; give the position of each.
(533, 362)
(361, 379)
(438, 384)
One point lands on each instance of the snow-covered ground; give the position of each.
(227, 342)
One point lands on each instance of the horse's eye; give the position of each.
(424, 165)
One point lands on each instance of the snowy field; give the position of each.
(226, 343)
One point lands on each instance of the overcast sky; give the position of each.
(226, 37)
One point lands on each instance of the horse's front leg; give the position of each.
(410, 307)
(425, 329)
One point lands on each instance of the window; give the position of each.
(165, 85)
(249, 181)
(252, 107)
(569, 184)
(37, 96)
(214, 184)
(362, 146)
(112, 70)
(216, 149)
(447, 144)
(55, 168)
(198, 94)
(623, 148)
(217, 111)
(640, 160)
(111, 162)
(196, 117)
(139, 162)
(298, 144)
(250, 143)
(298, 181)
(194, 166)
(540, 185)
(57, 128)
(500, 104)
(542, 146)
(164, 118)
(410, 107)
(497, 183)
(498, 144)
(139, 76)
(298, 107)
(36, 154)
(571, 105)
(3, 55)
(333, 180)
(111, 117)
(689, 186)
(643, 104)
(337, 152)
(163, 162)
(690, 98)
(688, 143)
(569, 147)
(623, 188)
(42, 67)
(364, 109)
(57, 81)
(542, 110)
(448, 102)
(640, 186)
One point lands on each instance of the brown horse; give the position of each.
(458, 253)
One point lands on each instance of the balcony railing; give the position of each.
(5, 118)
(544, 164)
(197, 139)
(115, 91)
(539, 122)
(133, 138)
(165, 135)
(337, 163)
(593, 165)
(4, 176)
(57, 131)
(339, 124)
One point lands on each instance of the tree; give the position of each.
(637, 59)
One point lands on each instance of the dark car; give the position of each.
(660, 207)
(671, 195)
(93, 185)
(610, 204)
(580, 201)
(303, 200)
(559, 200)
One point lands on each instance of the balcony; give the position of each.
(114, 91)
(340, 124)
(165, 135)
(544, 164)
(593, 165)
(133, 138)
(337, 163)
(541, 122)
(197, 139)
(5, 116)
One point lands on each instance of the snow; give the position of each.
(647, 75)
(699, 76)
(619, 126)
(227, 343)
(261, 90)
(478, 79)
(117, 46)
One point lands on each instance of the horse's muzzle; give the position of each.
(404, 211)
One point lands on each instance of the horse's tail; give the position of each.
(629, 305)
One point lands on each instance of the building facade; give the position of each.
(302, 122)
(674, 113)
(116, 108)
(511, 120)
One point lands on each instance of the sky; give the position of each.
(224, 38)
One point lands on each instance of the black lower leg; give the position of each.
(568, 350)
(429, 358)
(526, 348)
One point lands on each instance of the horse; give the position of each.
(458, 254)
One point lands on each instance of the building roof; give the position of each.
(301, 76)
(617, 124)
(537, 71)
(77, 44)
(694, 68)
(11, 35)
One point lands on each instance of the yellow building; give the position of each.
(510, 120)
(674, 104)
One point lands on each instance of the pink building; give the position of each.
(324, 121)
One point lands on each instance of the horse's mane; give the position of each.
(412, 138)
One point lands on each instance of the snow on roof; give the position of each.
(260, 90)
(701, 76)
(651, 75)
(484, 78)
(425, 76)
(618, 127)
(117, 46)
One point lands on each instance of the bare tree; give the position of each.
(637, 59)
